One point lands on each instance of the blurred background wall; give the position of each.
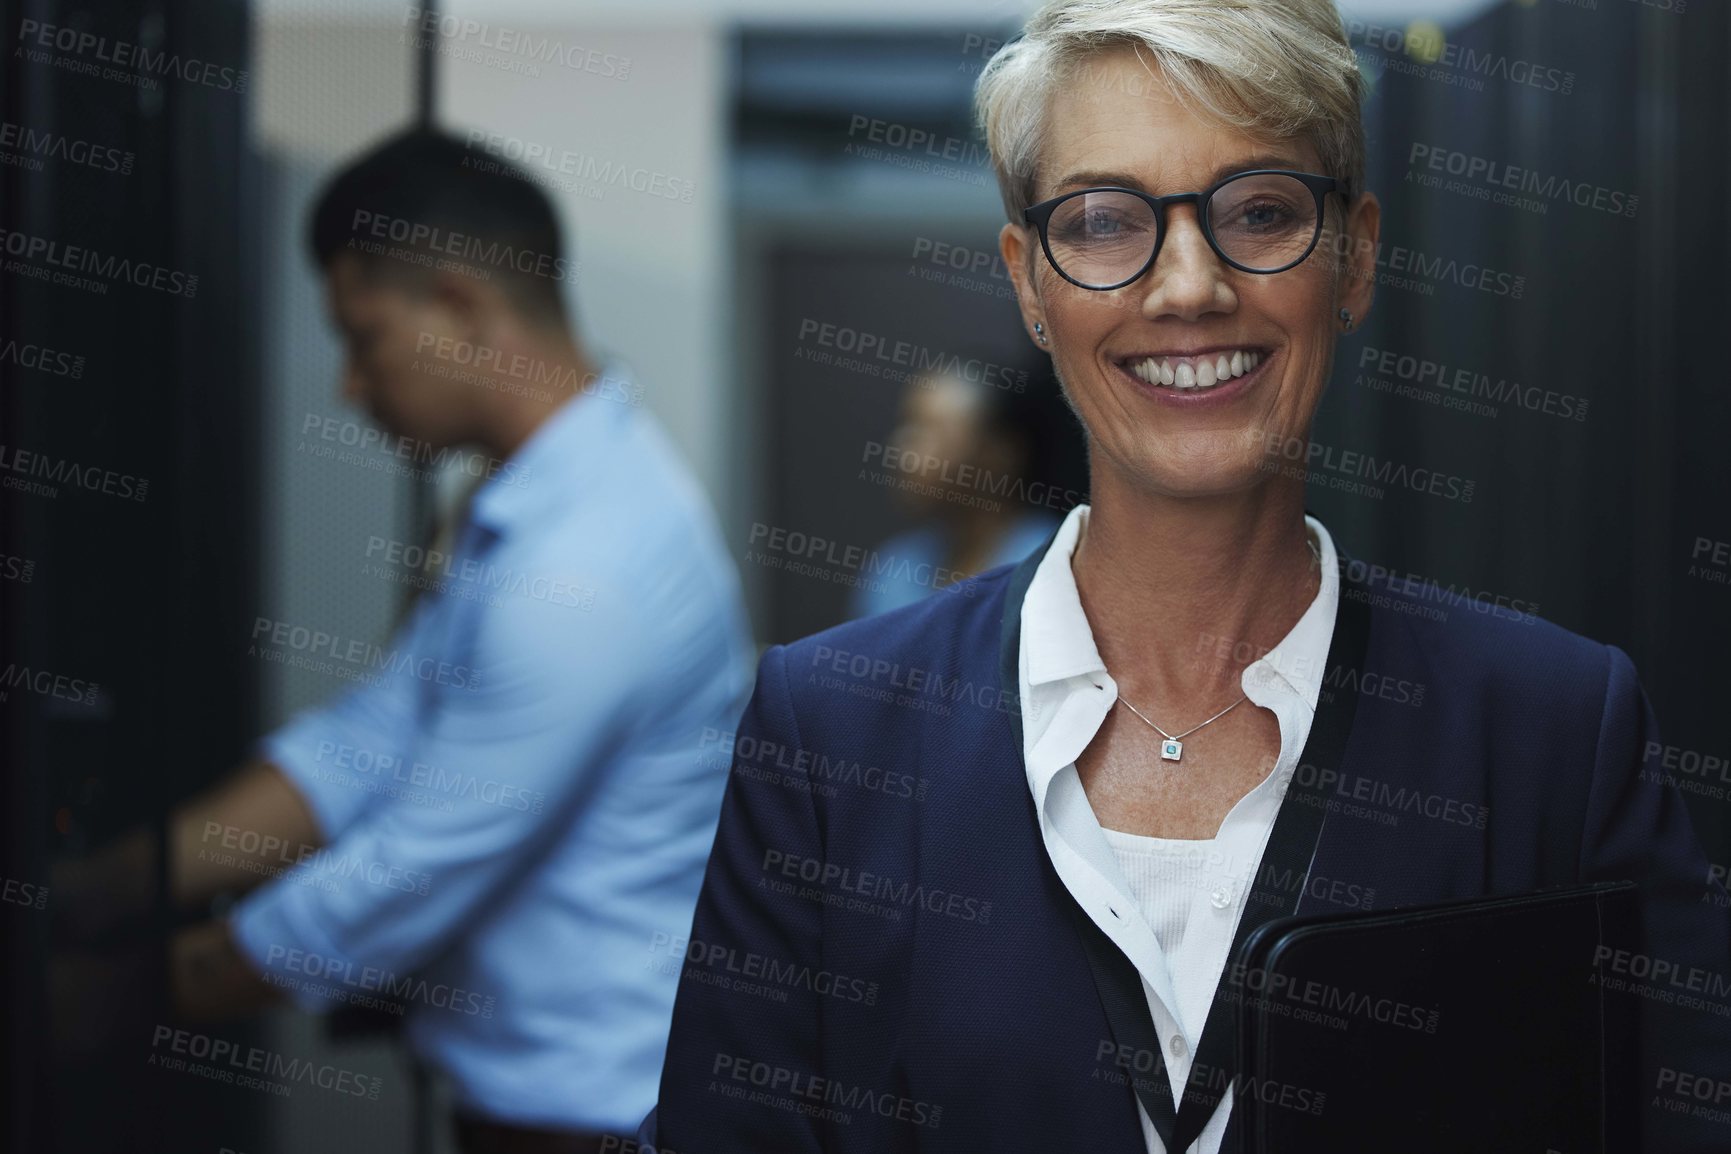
(746, 184)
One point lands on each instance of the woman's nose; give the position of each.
(1188, 277)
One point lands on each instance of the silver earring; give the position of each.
(1040, 332)
(1346, 319)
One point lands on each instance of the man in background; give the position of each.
(490, 830)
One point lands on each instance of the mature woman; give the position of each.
(1180, 717)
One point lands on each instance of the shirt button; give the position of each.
(1221, 896)
(1176, 1046)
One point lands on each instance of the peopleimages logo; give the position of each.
(757, 759)
(807, 554)
(729, 962)
(356, 653)
(1422, 271)
(74, 259)
(914, 141)
(941, 476)
(1422, 51)
(426, 239)
(786, 1088)
(1326, 998)
(225, 1061)
(362, 768)
(351, 434)
(41, 359)
(840, 881)
(587, 169)
(528, 47)
(1332, 788)
(388, 984)
(489, 362)
(32, 145)
(1499, 182)
(1662, 973)
(35, 897)
(38, 39)
(469, 578)
(250, 846)
(1463, 387)
(875, 354)
(874, 678)
(1343, 468)
(32, 472)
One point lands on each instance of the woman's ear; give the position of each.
(1358, 261)
(1014, 247)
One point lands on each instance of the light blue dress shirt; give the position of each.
(522, 806)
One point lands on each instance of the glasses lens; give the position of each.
(1102, 238)
(1265, 221)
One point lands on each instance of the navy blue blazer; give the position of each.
(883, 958)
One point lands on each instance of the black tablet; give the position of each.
(1477, 1025)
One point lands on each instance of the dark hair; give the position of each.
(423, 196)
(1026, 406)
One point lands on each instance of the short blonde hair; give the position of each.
(1273, 69)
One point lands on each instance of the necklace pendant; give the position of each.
(1172, 749)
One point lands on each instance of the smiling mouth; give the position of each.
(1194, 374)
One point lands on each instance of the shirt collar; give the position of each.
(1302, 654)
(570, 442)
(1059, 642)
(1056, 636)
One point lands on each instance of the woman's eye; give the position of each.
(1263, 215)
(1097, 224)
(1093, 225)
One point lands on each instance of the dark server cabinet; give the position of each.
(127, 425)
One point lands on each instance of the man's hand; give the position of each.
(243, 831)
(210, 979)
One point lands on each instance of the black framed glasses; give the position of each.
(1263, 221)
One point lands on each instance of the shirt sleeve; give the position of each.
(1638, 828)
(720, 1042)
(340, 754)
(513, 743)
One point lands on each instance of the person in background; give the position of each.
(973, 472)
(491, 829)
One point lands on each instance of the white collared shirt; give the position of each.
(1065, 696)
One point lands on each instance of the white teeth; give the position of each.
(1195, 372)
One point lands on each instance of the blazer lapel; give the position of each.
(1010, 628)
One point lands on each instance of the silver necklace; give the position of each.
(1172, 749)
